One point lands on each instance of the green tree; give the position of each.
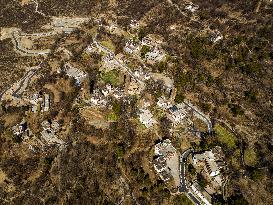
(161, 66)
(191, 169)
(119, 151)
(236, 109)
(201, 181)
(48, 160)
(179, 98)
(256, 175)
(251, 95)
(117, 108)
(141, 34)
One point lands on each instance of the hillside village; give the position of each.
(120, 82)
(112, 101)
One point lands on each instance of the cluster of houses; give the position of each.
(166, 161)
(131, 47)
(109, 62)
(155, 53)
(211, 163)
(49, 132)
(100, 96)
(21, 130)
(142, 74)
(92, 48)
(175, 113)
(134, 87)
(134, 25)
(200, 193)
(40, 103)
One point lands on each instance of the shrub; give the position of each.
(112, 117)
(236, 109)
(256, 175)
(119, 151)
(201, 181)
(251, 95)
(48, 160)
(191, 169)
(117, 108)
(179, 98)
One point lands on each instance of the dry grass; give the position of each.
(94, 117)
(61, 86)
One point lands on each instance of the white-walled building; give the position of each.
(166, 162)
(46, 102)
(75, 73)
(176, 115)
(146, 118)
(191, 7)
(210, 162)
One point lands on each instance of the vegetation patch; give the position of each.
(144, 50)
(250, 157)
(182, 199)
(225, 137)
(179, 98)
(236, 109)
(108, 44)
(112, 117)
(111, 77)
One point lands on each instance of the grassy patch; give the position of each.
(235, 160)
(108, 44)
(112, 117)
(111, 77)
(85, 56)
(250, 157)
(158, 113)
(225, 137)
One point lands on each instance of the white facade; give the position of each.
(146, 118)
(216, 36)
(191, 7)
(75, 73)
(131, 47)
(46, 102)
(209, 158)
(155, 55)
(200, 195)
(163, 103)
(34, 101)
(176, 115)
